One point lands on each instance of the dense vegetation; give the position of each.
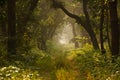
(59, 40)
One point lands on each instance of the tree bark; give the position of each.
(88, 25)
(11, 27)
(43, 38)
(3, 24)
(101, 27)
(114, 27)
(4, 31)
(107, 29)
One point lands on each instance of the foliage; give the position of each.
(60, 61)
(93, 65)
(35, 59)
(53, 47)
(82, 63)
(15, 73)
(3, 54)
(45, 63)
(62, 74)
(2, 2)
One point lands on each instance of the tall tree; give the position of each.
(108, 27)
(11, 27)
(86, 24)
(114, 27)
(101, 27)
(3, 21)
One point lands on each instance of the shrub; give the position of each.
(45, 63)
(3, 55)
(95, 66)
(15, 73)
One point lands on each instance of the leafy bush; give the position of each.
(95, 66)
(3, 55)
(32, 56)
(53, 47)
(45, 63)
(15, 73)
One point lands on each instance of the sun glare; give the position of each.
(62, 41)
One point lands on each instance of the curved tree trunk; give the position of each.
(86, 26)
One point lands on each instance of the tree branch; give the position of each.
(60, 5)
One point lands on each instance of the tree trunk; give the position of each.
(11, 27)
(3, 24)
(114, 27)
(4, 31)
(107, 29)
(75, 35)
(43, 45)
(43, 38)
(88, 26)
(101, 27)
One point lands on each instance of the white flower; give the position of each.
(30, 74)
(3, 68)
(16, 71)
(108, 78)
(7, 75)
(117, 72)
(2, 78)
(10, 70)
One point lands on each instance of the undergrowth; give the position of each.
(92, 65)
(77, 64)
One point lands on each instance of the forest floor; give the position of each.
(76, 64)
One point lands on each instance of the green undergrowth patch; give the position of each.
(93, 65)
(75, 64)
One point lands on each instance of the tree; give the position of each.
(3, 21)
(87, 26)
(42, 24)
(101, 26)
(75, 35)
(11, 46)
(24, 15)
(114, 27)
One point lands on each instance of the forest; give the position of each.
(59, 39)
